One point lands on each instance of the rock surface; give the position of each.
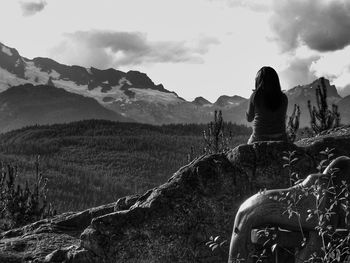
(172, 222)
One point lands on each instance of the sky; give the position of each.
(196, 48)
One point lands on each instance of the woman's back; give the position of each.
(267, 107)
(265, 120)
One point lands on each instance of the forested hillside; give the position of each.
(94, 162)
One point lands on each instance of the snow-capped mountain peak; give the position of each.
(106, 86)
(134, 95)
(6, 50)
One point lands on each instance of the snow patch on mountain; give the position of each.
(115, 92)
(233, 103)
(34, 74)
(72, 87)
(101, 85)
(7, 80)
(155, 96)
(123, 81)
(54, 74)
(6, 50)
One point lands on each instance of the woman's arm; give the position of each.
(250, 112)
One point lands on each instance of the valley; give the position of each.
(94, 162)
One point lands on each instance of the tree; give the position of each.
(20, 204)
(293, 123)
(215, 139)
(323, 118)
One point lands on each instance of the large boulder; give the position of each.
(172, 222)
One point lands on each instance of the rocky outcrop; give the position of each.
(172, 222)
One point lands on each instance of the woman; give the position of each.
(267, 108)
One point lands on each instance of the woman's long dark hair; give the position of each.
(267, 86)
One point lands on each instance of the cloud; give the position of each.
(31, 8)
(298, 72)
(112, 49)
(302, 69)
(336, 67)
(322, 25)
(344, 91)
(255, 5)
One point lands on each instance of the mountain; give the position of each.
(200, 101)
(28, 104)
(308, 91)
(131, 94)
(227, 101)
(104, 85)
(302, 93)
(135, 96)
(344, 109)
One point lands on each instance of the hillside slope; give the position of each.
(89, 163)
(171, 222)
(26, 105)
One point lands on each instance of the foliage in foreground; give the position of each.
(323, 118)
(335, 245)
(334, 242)
(216, 139)
(293, 123)
(22, 204)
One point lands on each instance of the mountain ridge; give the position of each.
(27, 104)
(135, 96)
(92, 77)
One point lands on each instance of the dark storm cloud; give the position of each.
(298, 72)
(321, 25)
(132, 48)
(31, 8)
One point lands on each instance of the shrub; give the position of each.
(215, 139)
(334, 242)
(293, 123)
(323, 118)
(20, 204)
(335, 245)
